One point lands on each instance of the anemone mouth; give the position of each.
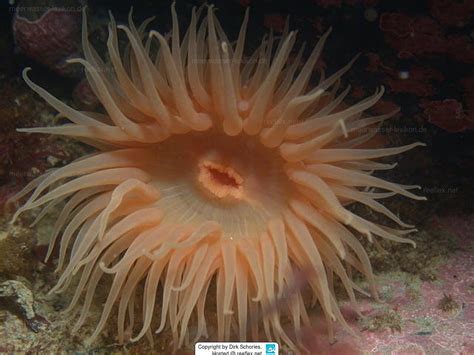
(220, 180)
(233, 180)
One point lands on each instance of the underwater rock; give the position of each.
(16, 244)
(22, 298)
(49, 33)
(84, 97)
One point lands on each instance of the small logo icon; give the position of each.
(270, 349)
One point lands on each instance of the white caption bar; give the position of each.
(236, 348)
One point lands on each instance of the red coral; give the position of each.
(448, 115)
(411, 36)
(245, 3)
(418, 81)
(411, 86)
(383, 107)
(368, 3)
(396, 24)
(451, 13)
(365, 3)
(338, 3)
(328, 3)
(275, 22)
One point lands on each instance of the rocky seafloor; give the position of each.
(423, 51)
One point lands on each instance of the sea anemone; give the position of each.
(214, 171)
